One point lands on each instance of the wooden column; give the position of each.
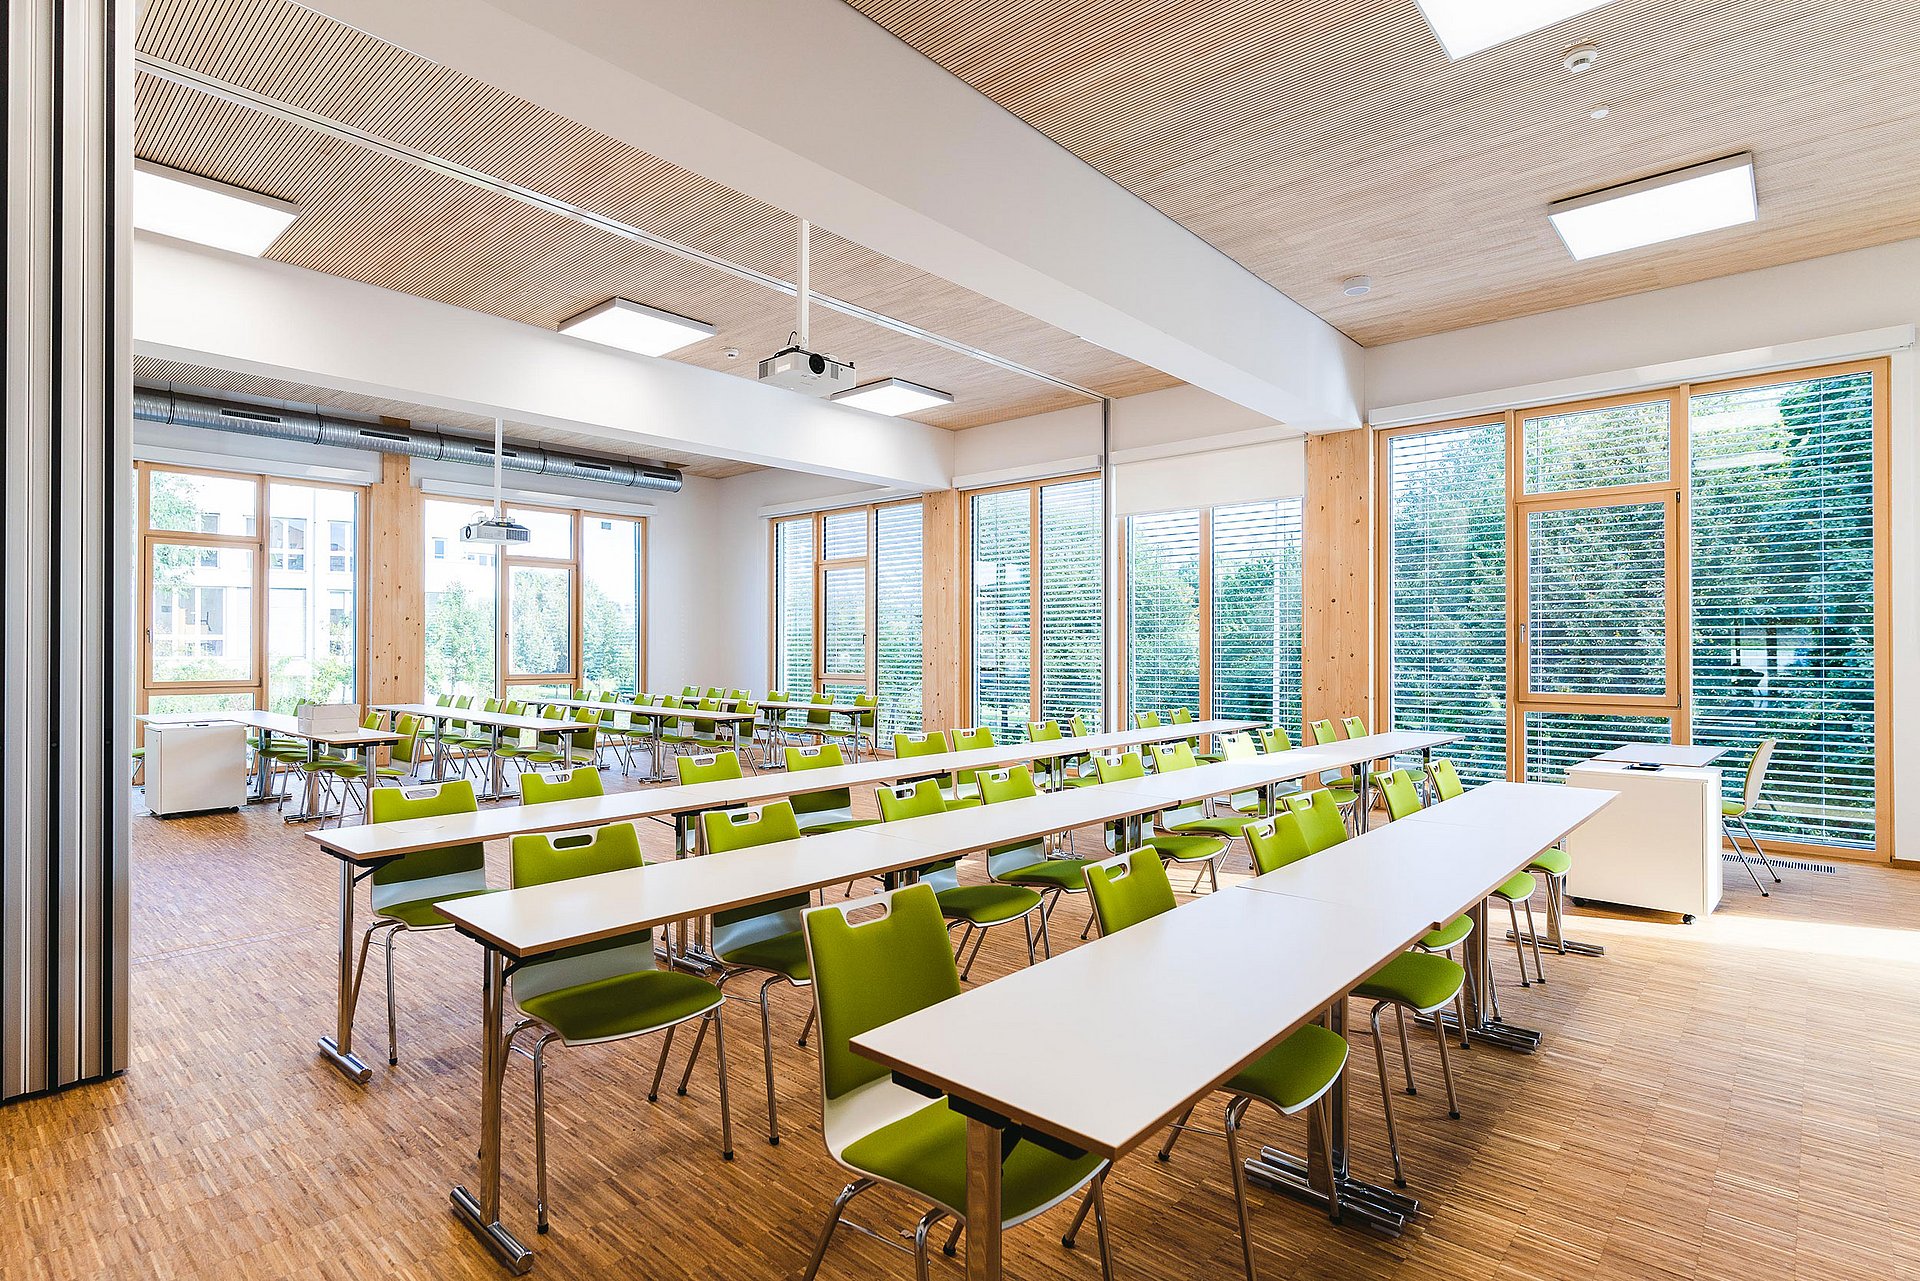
(943, 618)
(1336, 578)
(394, 593)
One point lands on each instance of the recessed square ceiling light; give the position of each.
(1665, 207)
(190, 207)
(632, 326)
(1465, 27)
(894, 396)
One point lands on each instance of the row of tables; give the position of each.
(518, 924)
(359, 742)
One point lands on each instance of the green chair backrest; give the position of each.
(1403, 798)
(408, 748)
(1010, 783)
(1356, 728)
(1146, 720)
(576, 784)
(836, 803)
(1118, 769)
(1275, 739)
(723, 832)
(1318, 818)
(1080, 729)
(1238, 747)
(1323, 732)
(542, 858)
(708, 769)
(1043, 731)
(1277, 841)
(916, 800)
(1446, 779)
(872, 973)
(932, 743)
(1128, 890)
(1181, 716)
(1173, 756)
(1757, 765)
(450, 868)
(967, 740)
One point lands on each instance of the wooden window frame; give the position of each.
(867, 560)
(1035, 671)
(1677, 488)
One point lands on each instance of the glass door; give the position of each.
(843, 666)
(1599, 638)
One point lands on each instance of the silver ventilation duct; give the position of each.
(154, 406)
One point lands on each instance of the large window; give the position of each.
(239, 612)
(1696, 564)
(565, 608)
(1213, 612)
(846, 608)
(1035, 632)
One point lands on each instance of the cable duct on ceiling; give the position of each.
(301, 427)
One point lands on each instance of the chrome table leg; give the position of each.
(338, 1048)
(481, 1213)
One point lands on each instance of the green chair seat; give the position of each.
(1084, 780)
(1732, 809)
(1554, 862)
(623, 1004)
(1518, 887)
(1448, 935)
(1341, 793)
(1052, 873)
(1295, 1072)
(987, 904)
(1227, 825)
(1186, 849)
(421, 914)
(1419, 980)
(781, 954)
(538, 755)
(927, 1151)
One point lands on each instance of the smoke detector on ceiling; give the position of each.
(1357, 286)
(1581, 57)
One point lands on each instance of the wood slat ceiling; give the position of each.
(1314, 140)
(367, 217)
(151, 371)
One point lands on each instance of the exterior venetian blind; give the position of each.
(1783, 598)
(1002, 639)
(1163, 612)
(1255, 635)
(897, 591)
(793, 605)
(1071, 592)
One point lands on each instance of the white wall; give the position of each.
(1853, 304)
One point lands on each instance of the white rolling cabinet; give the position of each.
(1657, 846)
(191, 769)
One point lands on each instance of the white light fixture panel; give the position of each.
(893, 396)
(1667, 206)
(636, 327)
(1466, 27)
(186, 206)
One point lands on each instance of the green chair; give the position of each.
(580, 783)
(403, 893)
(1146, 720)
(860, 728)
(720, 767)
(828, 811)
(1195, 819)
(1733, 812)
(1297, 1075)
(761, 938)
(1198, 849)
(1182, 716)
(1402, 797)
(976, 907)
(1518, 889)
(771, 726)
(531, 749)
(966, 782)
(1075, 771)
(353, 771)
(1422, 982)
(931, 743)
(873, 973)
(1027, 863)
(600, 992)
(1343, 785)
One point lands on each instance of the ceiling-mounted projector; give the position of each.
(495, 529)
(807, 372)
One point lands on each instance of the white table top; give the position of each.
(275, 723)
(480, 716)
(1105, 1044)
(652, 711)
(1537, 813)
(545, 918)
(1224, 778)
(1665, 754)
(370, 841)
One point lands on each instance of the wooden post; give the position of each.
(392, 587)
(943, 651)
(1336, 637)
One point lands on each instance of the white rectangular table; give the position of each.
(498, 723)
(654, 714)
(1127, 1044)
(1664, 754)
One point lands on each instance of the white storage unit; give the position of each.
(1657, 846)
(191, 769)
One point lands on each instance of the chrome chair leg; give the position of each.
(1406, 1051)
(726, 1107)
(393, 1032)
(540, 1129)
(847, 1194)
(1446, 1068)
(1165, 1153)
(1100, 1225)
(1758, 849)
(699, 1039)
(920, 1231)
(1235, 1110)
(1519, 946)
(1079, 1220)
(1533, 940)
(766, 1042)
(660, 1068)
(806, 1029)
(1386, 1095)
(953, 1238)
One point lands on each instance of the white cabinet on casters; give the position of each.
(1657, 846)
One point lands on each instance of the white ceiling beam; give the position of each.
(810, 107)
(257, 316)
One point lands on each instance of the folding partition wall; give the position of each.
(65, 484)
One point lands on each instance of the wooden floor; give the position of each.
(1737, 1098)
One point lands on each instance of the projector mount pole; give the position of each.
(805, 276)
(499, 444)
